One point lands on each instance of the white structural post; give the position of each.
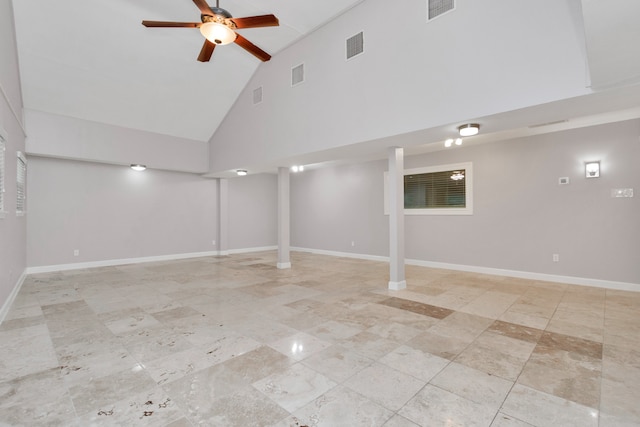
(396, 219)
(223, 216)
(284, 226)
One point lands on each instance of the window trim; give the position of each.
(467, 210)
(21, 164)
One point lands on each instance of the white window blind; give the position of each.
(21, 185)
(2, 149)
(435, 190)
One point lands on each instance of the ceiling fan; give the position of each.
(218, 27)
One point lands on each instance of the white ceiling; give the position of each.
(94, 60)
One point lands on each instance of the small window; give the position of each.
(21, 185)
(437, 190)
(2, 150)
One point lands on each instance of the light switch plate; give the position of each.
(622, 192)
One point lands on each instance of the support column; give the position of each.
(223, 216)
(396, 219)
(284, 226)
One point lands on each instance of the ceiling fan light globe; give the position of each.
(217, 33)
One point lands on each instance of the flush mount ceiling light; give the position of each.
(241, 172)
(592, 169)
(137, 167)
(469, 129)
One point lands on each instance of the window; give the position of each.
(437, 190)
(2, 149)
(21, 184)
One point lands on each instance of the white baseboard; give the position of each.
(115, 262)
(342, 254)
(249, 250)
(124, 261)
(12, 297)
(571, 280)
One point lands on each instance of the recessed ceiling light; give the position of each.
(241, 172)
(469, 129)
(137, 167)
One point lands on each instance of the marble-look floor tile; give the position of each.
(36, 399)
(99, 394)
(438, 407)
(400, 421)
(385, 386)
(497, 354)
(299, 346)
(476, 386)
(195, 392)
(25, 351)
(447, 347)
(340, 406)
(333, 331)
(95, 346)
(259, 363)
(369, 345)
(151, 408)
(294, 387)
(394, 331)
(416, 363)
(541, 409)
(503, 420)
(564, 374)
(337, 363)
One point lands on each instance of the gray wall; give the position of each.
(253, 211)
(112, 212)
(508, 63)
(521, 215)
(12, 228)
(51, 135)
(333, 207)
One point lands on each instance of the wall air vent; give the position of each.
(436, 8)
(257, 95)
(297, 75)
(355, 45)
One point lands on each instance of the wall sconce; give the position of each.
(592, 169)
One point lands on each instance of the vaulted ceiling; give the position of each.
(94, 60)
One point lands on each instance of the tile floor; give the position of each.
(232, 341)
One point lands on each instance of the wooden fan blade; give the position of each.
(207, 51)
(204, 7)
(256, 21)
(171, 24)
(252, 48)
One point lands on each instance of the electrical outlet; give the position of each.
(556, 257)
(76, 252)
(353, 243)
(213, 242)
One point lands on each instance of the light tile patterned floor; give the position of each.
(232, 341)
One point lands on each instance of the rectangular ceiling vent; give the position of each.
(355, 45)
(436, 8)
(297, 75)
(257, 95)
